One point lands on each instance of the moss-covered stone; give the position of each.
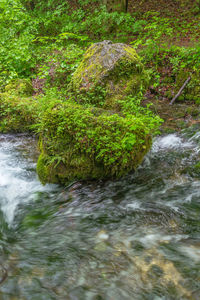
(113, 69)
(193, 110)
(105, 134)
(75, 167)
(42, 168)
(17, 114)
(85, 143)
(20, 87)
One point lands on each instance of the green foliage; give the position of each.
(156, 46)
(20, 87)
(17, 114)
(132, 106)
(151, 37)
(22, 48)
(79, 141)
(58, 16)
(35, 37)
(104, 25)
(186, 58)
(115, 142)
(17, 30)
(57, 65)
(155, 41)
(58, 5)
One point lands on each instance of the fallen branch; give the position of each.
(180, 91)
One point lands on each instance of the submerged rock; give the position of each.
(108, 72)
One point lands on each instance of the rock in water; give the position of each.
(80, 143)
(112, 70)
(97, 133)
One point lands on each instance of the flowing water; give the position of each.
(133, 238)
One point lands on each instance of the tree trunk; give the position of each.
(116, 5)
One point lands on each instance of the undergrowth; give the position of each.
(45, 40)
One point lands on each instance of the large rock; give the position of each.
(112, 70)
(89, 143)
(103, 135)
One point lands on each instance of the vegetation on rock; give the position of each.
(17, 114)
(85, 143)
(88, 141)
(115, 70)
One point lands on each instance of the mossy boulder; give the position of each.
(110, 70)
(20, 87)
(90, 143)
(18, 110)
(75, 167)
(17, 114)
(100, 131)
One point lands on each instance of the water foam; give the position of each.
(171, 141)
(16, 184)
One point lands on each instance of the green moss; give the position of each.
(75, 166)
(42, 168)
(17, 114)
(115, 69)
(193, 111)
(85, 143)
(20, 87)
(197, 166)
(193, 171)
(192, 90)
(106, 134)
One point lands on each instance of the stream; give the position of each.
(133, 238)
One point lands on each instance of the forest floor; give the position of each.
(170, 26)
(184, 18)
